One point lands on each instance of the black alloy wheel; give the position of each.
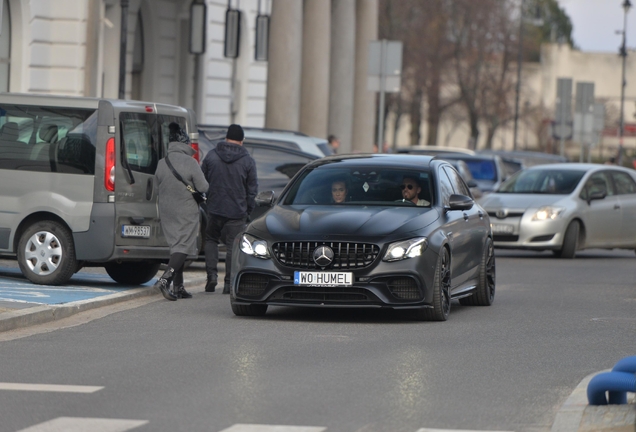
(484, 294)
(441, 291)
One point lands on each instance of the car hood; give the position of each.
(324, 221)
(518, 201)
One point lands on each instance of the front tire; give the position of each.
(132, 272)
(46, 253)
(570, 241)
(441, 291)
(484, 294)
(248, 310)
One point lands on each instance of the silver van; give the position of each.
(77, 184)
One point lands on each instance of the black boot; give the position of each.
(181, 293)
(226, 288)
(163, 284)
(210, 285)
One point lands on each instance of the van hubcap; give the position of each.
(43, 253)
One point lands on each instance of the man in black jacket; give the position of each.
(231, 173)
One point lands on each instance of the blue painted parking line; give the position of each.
(82, 286)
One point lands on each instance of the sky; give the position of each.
(596, 22)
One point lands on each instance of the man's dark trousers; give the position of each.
(220, 229)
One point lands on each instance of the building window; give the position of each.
(5, 47)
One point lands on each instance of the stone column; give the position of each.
(284, 65)
(314, 95)
(341, 75)
(364, 111)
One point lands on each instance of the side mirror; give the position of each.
(460, 202)
(265, 199)
(596, 196)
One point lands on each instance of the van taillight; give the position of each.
(109, 171)
(195, 146)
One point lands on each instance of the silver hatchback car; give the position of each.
(565, 208)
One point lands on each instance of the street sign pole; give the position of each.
(563, 112)
(385, 70)
(382, 97)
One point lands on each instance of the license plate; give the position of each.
(502, 229)
(142, 231)
(323, 278)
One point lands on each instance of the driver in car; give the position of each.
(339, 191)
(411, 190)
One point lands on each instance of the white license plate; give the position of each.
(502, 229)
(142, 231)
(323, 278)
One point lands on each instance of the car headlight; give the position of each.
(547, 213)
(255, 247)
(406, 249)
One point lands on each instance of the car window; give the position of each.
(598, 183)
(482, 169)
(48, 139)
(543, 181)
(139, 141)
(360, 186)
(274, 164)
(458, 183)
(624, 183)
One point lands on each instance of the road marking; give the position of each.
(271, 428)
(81, 424)
(453, 430)
(49, 388)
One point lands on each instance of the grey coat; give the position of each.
(178, 211)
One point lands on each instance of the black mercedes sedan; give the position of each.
(375, 231)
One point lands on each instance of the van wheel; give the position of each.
(132, 272)
(46, 253)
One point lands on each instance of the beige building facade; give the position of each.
(72, 47)
(538, 99)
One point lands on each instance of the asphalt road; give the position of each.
(191, 365)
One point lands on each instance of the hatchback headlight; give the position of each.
(406, 249)
(255, 247)
(547, 213)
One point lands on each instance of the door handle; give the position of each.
(617, 206)
(149, 187)
(481, 215)
(465, 217)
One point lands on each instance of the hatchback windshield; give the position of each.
(328, 185)
(543, 181)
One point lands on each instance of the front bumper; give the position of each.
(524, 233)
(402, 284)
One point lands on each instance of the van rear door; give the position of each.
(137, 154)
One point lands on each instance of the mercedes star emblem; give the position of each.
(323, 255)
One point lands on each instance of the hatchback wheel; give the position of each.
(570, 241)
(441, 291)
(46, 253)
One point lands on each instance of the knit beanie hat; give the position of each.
(177, 134)
(235, 133)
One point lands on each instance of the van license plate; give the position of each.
(142, 231)
(323, 278)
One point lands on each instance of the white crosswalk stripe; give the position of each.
(49, 388)
(453, 430)
(80, 424)
(271, 428)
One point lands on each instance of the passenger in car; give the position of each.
(411, 190)
(339, 191)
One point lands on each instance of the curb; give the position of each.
(577, 415)
(48, 313)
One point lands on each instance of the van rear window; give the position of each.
(48, 139)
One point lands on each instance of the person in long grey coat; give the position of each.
(178, 210)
